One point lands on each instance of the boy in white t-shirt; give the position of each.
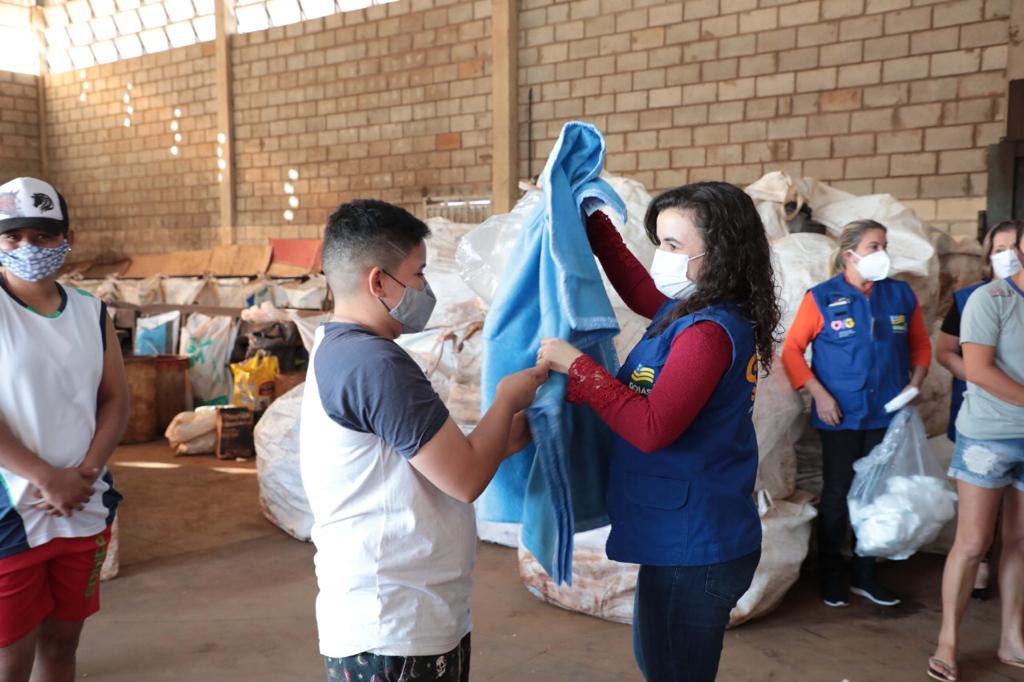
(63, 408)
(389, 476)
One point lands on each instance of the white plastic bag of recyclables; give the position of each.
(900, 498)
(276, 437)
(207, 341)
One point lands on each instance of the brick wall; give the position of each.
(897, 96)
(19, 126)
(391, 102)
(126, 193)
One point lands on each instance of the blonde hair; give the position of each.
(850, 238)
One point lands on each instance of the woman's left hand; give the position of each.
(558, 354)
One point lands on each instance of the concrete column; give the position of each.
(1015, 58)
(504, 104)
(225, 22)
(38, 24)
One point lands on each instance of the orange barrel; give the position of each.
(142, 422)
(173, 388)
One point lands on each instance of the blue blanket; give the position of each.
(551, 287)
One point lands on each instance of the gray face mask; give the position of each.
(415, 308)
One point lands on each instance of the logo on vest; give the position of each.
(899, 323)
(752, 378)
(642, 379)
(843, 328)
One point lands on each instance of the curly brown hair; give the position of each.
(737, 265)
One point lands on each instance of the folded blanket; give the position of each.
(551, 287)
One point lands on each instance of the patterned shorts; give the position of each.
(450, 667)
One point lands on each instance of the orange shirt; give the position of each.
(809, 323)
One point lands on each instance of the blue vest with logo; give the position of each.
(690, 503)
(956, 399)
(862, 355)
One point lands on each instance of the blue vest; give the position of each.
(690, 503)
(862, 355)
(956, 399)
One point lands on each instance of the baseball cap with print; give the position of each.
(28, 203)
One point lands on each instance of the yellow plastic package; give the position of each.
(254, 381)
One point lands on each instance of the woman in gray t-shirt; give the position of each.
(988, 462)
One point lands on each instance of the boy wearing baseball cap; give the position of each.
(63, 408)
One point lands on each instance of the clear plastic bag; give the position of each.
(157, 334)
(900, 498)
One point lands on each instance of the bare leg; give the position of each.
(974, 530)
(1011, 578)
(16, 659)
(55, 650)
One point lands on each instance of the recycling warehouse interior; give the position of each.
(201, 147)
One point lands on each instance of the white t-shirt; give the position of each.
(994, 316)
(50, 371)
(394, 554)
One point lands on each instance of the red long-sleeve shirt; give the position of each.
(698, 359)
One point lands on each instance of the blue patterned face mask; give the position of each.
(32, 263)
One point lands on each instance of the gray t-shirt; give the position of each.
(994, 316)
(370, 384)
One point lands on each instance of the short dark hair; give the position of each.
(365, 233)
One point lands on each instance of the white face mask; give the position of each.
(873, 267)
(668, 270)
(1005, 264)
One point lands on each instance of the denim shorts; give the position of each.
(988, 463)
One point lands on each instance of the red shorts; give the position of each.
(60, 579)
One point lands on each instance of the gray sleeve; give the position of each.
(377, 388)
(981, 320)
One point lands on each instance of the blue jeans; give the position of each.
(680, 614)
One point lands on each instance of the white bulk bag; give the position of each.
(786, 529)
(276, 437)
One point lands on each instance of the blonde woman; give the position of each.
(870, 344)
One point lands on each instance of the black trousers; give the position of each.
(840, 449)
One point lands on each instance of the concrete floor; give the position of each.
(210, 591)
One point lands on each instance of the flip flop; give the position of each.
(941, 671)
(1015, 662)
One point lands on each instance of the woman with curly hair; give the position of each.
(870, 344)
(680, 492)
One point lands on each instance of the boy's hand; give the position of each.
(90, 472)
(65, 491)
(519, 435)
(518, 389)
(558, 354)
